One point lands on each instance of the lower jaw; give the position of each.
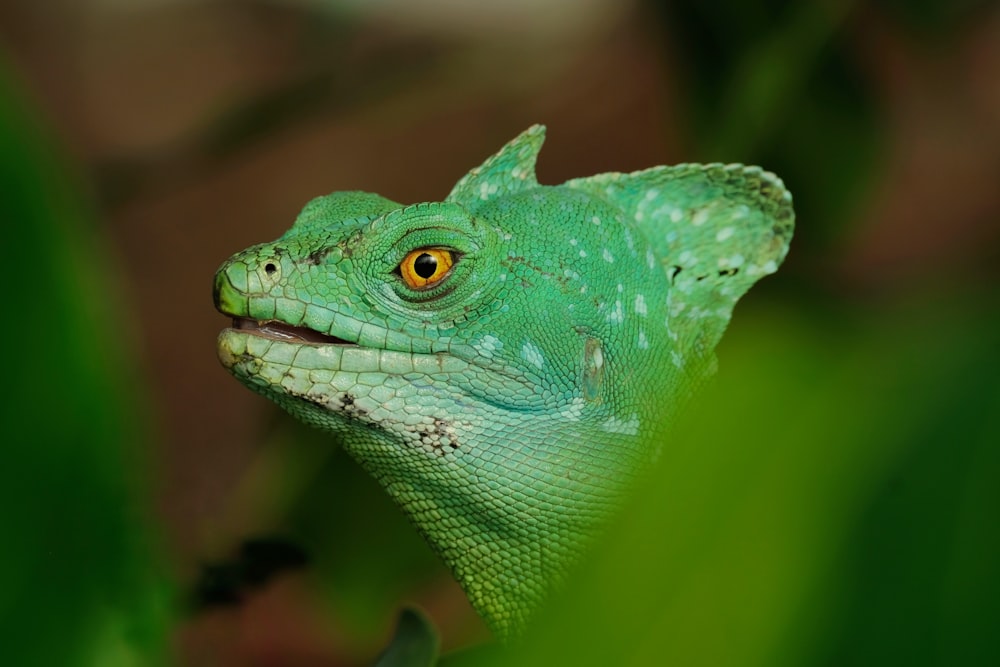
(240, 346)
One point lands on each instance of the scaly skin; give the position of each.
(507, 407)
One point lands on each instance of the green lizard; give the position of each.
(499, 360)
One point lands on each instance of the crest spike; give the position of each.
(511, 169)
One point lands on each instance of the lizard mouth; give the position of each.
(285, 332)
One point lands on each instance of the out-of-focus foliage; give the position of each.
(76, 582)
(780, 83)
(415, 643)
(832, 500)
(775, 83)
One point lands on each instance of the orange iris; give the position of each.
(425, 267)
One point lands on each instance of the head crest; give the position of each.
(511, 169)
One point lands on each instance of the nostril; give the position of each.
(270, 268)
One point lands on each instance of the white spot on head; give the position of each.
(676, 215)
(650, 258)
(700, 217)
(670, 332)
(487, 189)
(608, 257)
(573, 241)
(583, 289)
(621, 288)
(724, 234)
(770, 266)
(583, 253)
(595, 220)
(532, 354)
(643, 341)
(677, 359)
(487, 346)
(617, 314)
(628, 426)
(640, 304)
(574, 411)
(652, 194)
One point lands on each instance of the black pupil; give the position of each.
(425, 266)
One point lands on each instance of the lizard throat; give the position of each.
(285, 332)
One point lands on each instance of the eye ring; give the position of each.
(426, 267)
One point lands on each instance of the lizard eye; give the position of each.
(425, 267)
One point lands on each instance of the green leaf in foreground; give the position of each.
(831, 500)
(77, 583)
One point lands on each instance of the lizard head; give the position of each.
(421, 337)
(498, 360)
(407, 319)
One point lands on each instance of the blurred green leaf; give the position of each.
(77, 584)
(831, 500)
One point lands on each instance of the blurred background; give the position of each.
(834, 502)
